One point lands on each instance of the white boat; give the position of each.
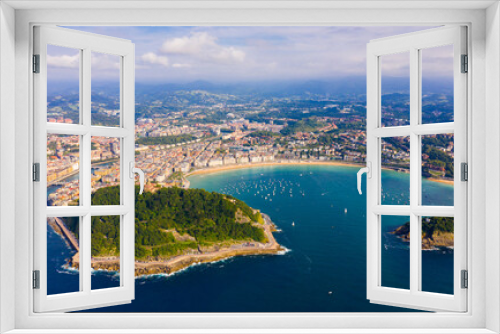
(293, 223)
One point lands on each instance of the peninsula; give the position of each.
(175, 228)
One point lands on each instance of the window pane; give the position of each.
(63, 84)
(63, 274)
(395, 232)
(105, 252)
(437, 169)
(395, 165)
(63, 160)
(437, 254)
(105, 157)
(105, 89)
(395, 99)
(437, 84)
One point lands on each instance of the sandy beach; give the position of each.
(265, 164)
(441, 181)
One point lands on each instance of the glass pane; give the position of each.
(437, 254)
(63, 85)
(395, 99)
(437, 169)
(63, 160)
(105, 251)
(395, 165)
(105, 155)
(395, 232)
(437, 84)
(105, 89)
(63, 274)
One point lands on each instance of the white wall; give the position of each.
(492, 163)
(192, 17)
(7, 158)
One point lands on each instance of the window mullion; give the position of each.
(415, 237)
(86, 138)
(85, 256)
(85, 193)
(82, 177)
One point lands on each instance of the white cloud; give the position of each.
(203, 46)
(192, 44)
(180, 65)
(99, 61)
(64, 61)
(153, 58)
(105, 64)
(228, 54)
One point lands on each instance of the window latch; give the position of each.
(368, 171)
(132, 171)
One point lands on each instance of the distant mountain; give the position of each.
(338, 87)
(333, 88)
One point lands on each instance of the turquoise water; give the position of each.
(323, 223)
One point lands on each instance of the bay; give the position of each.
(322, 219)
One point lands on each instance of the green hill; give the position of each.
(305, 125)
(173, 221)
(168, 140)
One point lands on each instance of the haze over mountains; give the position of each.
(337, 87)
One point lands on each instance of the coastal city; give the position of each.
(250, 139)
(223, 131)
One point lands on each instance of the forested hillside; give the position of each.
(173, 220)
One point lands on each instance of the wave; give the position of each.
(106, 272)
(67, 270)
(284, 251)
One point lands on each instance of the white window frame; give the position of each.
(483, 308)
(86, 44)
(412, 44)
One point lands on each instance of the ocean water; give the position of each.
(322, 219)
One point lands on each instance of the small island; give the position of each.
(174, 229)
(437, 232)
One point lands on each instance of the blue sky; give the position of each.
(239, 54)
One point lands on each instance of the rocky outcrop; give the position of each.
(433, 240)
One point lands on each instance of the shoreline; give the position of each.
(180, 262)
(211, 170)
